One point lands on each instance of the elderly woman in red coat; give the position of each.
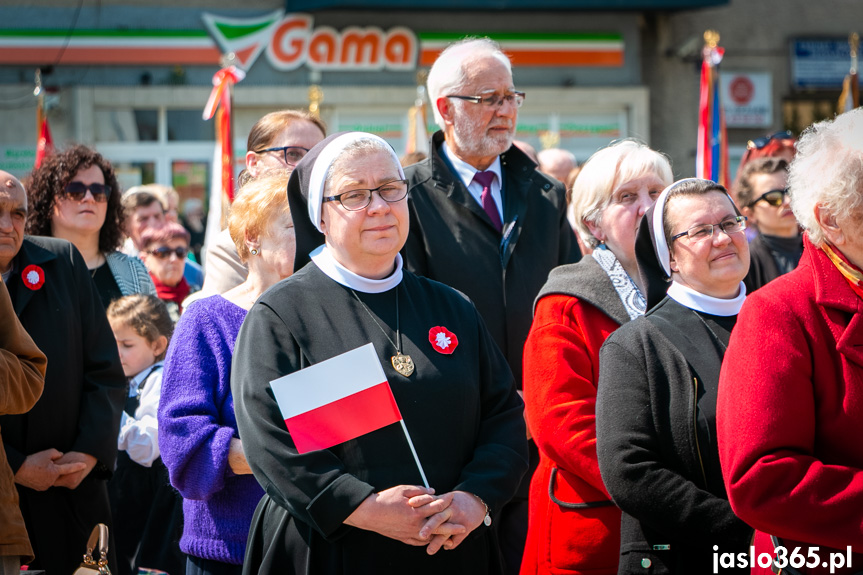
(573, 525)
(790, 406)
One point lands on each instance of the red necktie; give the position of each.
(485, 179)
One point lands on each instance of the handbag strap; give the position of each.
(99, 536)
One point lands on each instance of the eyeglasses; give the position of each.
(165, 252)
(759, 143)
(77, 190)
(494, 100)
(355, 200)
(703, 232)
(291, 154)
(774, 197)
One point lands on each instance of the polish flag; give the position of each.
(336, 400)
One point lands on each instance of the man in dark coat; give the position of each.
(483, 219)
(62, 451)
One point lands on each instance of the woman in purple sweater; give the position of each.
(197, 428)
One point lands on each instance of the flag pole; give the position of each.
(414, 451)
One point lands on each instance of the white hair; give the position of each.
(619, 162)
(828, 171)
(449, 72)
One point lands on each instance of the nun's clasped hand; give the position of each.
(403, 512)
(448, 528)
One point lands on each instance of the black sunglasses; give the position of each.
(77, 190)
(774, 197)
(759, 143)
(165, 252)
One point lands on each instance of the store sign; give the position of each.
(747, 99)
(291, 41)
(820, 63)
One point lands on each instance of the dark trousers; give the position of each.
(198, 566)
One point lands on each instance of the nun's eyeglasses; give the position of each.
(355, 200)
(703, 232)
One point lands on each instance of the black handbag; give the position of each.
(91, 566)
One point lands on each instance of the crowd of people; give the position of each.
(596, 369)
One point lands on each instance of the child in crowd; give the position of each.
(146, 510)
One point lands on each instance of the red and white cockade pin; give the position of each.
(33, 276)
(443, 340)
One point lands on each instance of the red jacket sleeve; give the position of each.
(561, 358)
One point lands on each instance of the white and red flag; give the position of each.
(338, 400)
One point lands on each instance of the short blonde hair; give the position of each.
(828, 170)
(261, 200)
(619, 162)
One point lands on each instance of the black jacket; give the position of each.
(656, 443)
(80, 407)
(453, 241)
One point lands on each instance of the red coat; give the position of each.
(561, 357)
(790, 412)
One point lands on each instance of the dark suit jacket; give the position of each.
(80, 407)
(453, 241)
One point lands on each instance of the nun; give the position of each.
(658, 378)
(361, 506)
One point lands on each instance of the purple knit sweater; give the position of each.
(196, 424)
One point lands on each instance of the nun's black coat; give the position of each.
(462, 411)
(656, 432)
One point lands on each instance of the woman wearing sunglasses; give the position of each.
(658, 378)
(164, 253)
(74, 196)
(764, 199)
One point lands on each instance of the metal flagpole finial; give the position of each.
(711, 38)
(227, 60)
(316, 96)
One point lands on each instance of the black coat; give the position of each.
(762, 264)
(80, 407)
(452, 240)
(655, 429)
(462, 411)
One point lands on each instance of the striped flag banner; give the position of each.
(338, 400)
(712, 148)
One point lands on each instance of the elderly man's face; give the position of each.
(13, 215)
(477, 132)
(145, 217)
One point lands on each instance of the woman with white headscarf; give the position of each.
(658, 377)
(359, 506)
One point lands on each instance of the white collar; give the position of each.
(688, 297)
(136, 381)
(466, 172)
(322, 256)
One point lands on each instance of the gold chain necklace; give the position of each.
(401, 362)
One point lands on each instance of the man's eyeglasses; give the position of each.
(774, 197)
(494, 100)
(165, 252)
(703, 232)
(355, 200)
(291, 154)
(759, 143)
(76, 191)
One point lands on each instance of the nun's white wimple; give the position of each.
(662, 252)
(318, 178)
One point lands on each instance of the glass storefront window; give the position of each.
(130, 174)
(126, 125)
(187, 126)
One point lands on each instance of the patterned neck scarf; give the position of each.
(849, 271)
(629, 294)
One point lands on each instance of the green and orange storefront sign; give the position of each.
(289, 41)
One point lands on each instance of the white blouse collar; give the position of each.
(686, 296)
(322, 256)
